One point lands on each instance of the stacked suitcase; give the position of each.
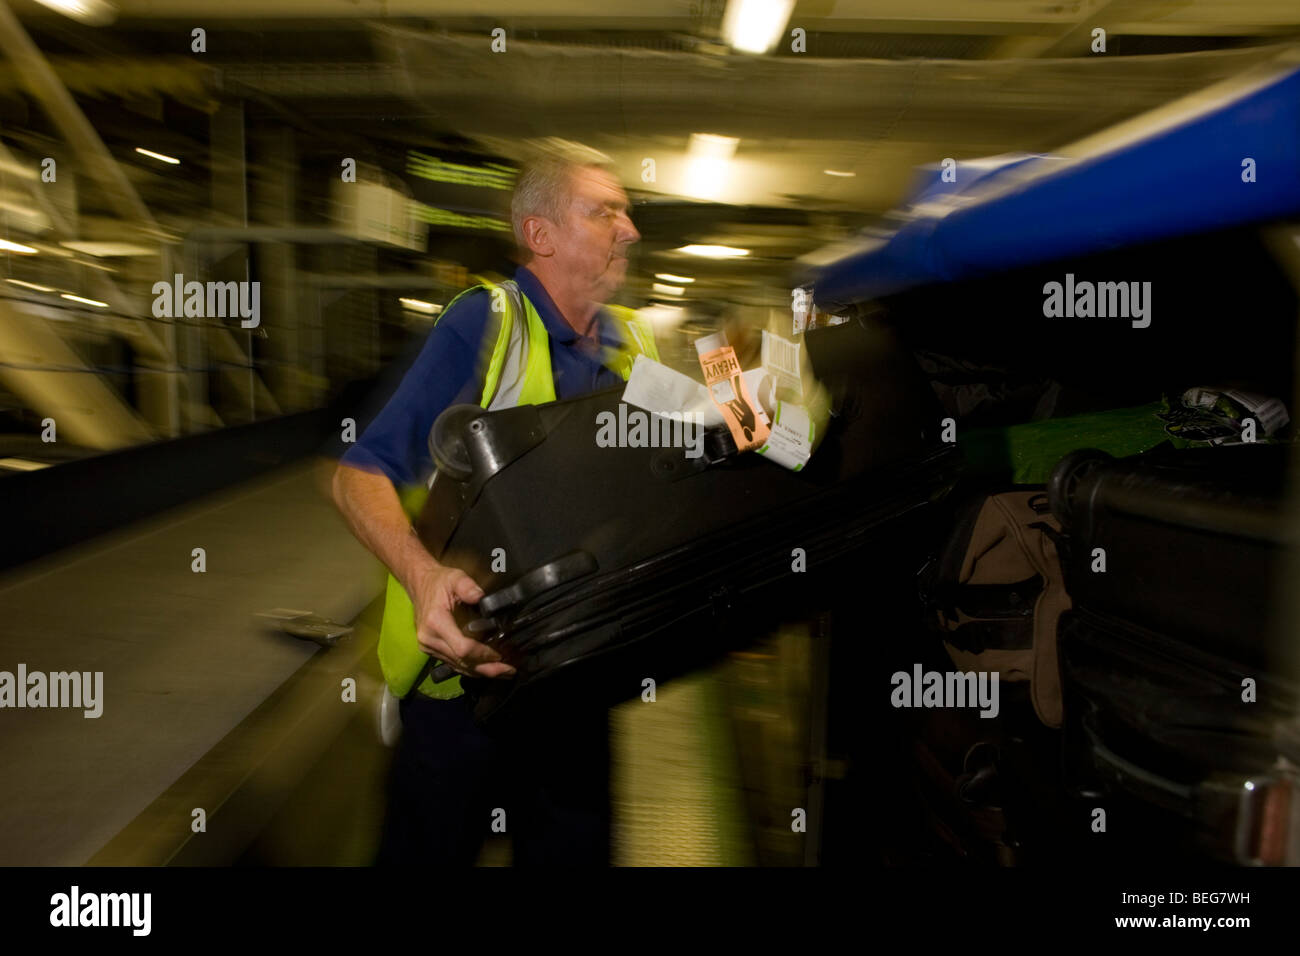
(1180, 690)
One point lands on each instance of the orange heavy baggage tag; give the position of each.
(743, 415)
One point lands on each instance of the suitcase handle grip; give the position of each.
(1180, 794)
(1261, 805)
(570, 567)
(576, 564)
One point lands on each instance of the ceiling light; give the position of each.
(662, 315)
(95, 265)
(30, 285)
(94, 12)
(668, 276)
(158, 156)
(419, 305)
(101, 250)
(77, 298)
(662, 289)
(754, 26)
(838, 172)
(7, 246)
(707, 161)
(713, 252)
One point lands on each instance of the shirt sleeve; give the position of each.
(396, 442)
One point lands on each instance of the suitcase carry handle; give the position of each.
(1143, 782)
(570, 567)
(1266, 804)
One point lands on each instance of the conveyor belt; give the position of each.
(183, 661)
(677, 796)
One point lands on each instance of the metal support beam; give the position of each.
(273, 195)
(62, 109)
(50, 378)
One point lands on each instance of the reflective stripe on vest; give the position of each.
(519, 373)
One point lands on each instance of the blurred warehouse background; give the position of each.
(354, 158)
(226, 164)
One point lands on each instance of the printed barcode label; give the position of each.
(780, 355)
(1270, 412)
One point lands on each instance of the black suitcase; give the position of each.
(629, 563)
(1156, 649)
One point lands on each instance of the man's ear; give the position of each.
(537, 235)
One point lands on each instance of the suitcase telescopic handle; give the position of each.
(539, 580)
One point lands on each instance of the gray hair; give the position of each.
(543, 186)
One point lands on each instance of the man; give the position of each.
(547, 783)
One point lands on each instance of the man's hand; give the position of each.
(436, 594)
(369, 503)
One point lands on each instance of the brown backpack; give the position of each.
(996, 593)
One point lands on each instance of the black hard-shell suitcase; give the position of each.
(1156, 653)
(623, 564)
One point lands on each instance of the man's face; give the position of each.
(593, 241)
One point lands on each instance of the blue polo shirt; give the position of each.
(445, 373)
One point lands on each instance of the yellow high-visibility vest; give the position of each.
(519, 373)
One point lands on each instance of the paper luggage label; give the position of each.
(802, 309)
(790, 443)
(781, 360)
(727, 388)
(667, 392)
(1269, 412)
